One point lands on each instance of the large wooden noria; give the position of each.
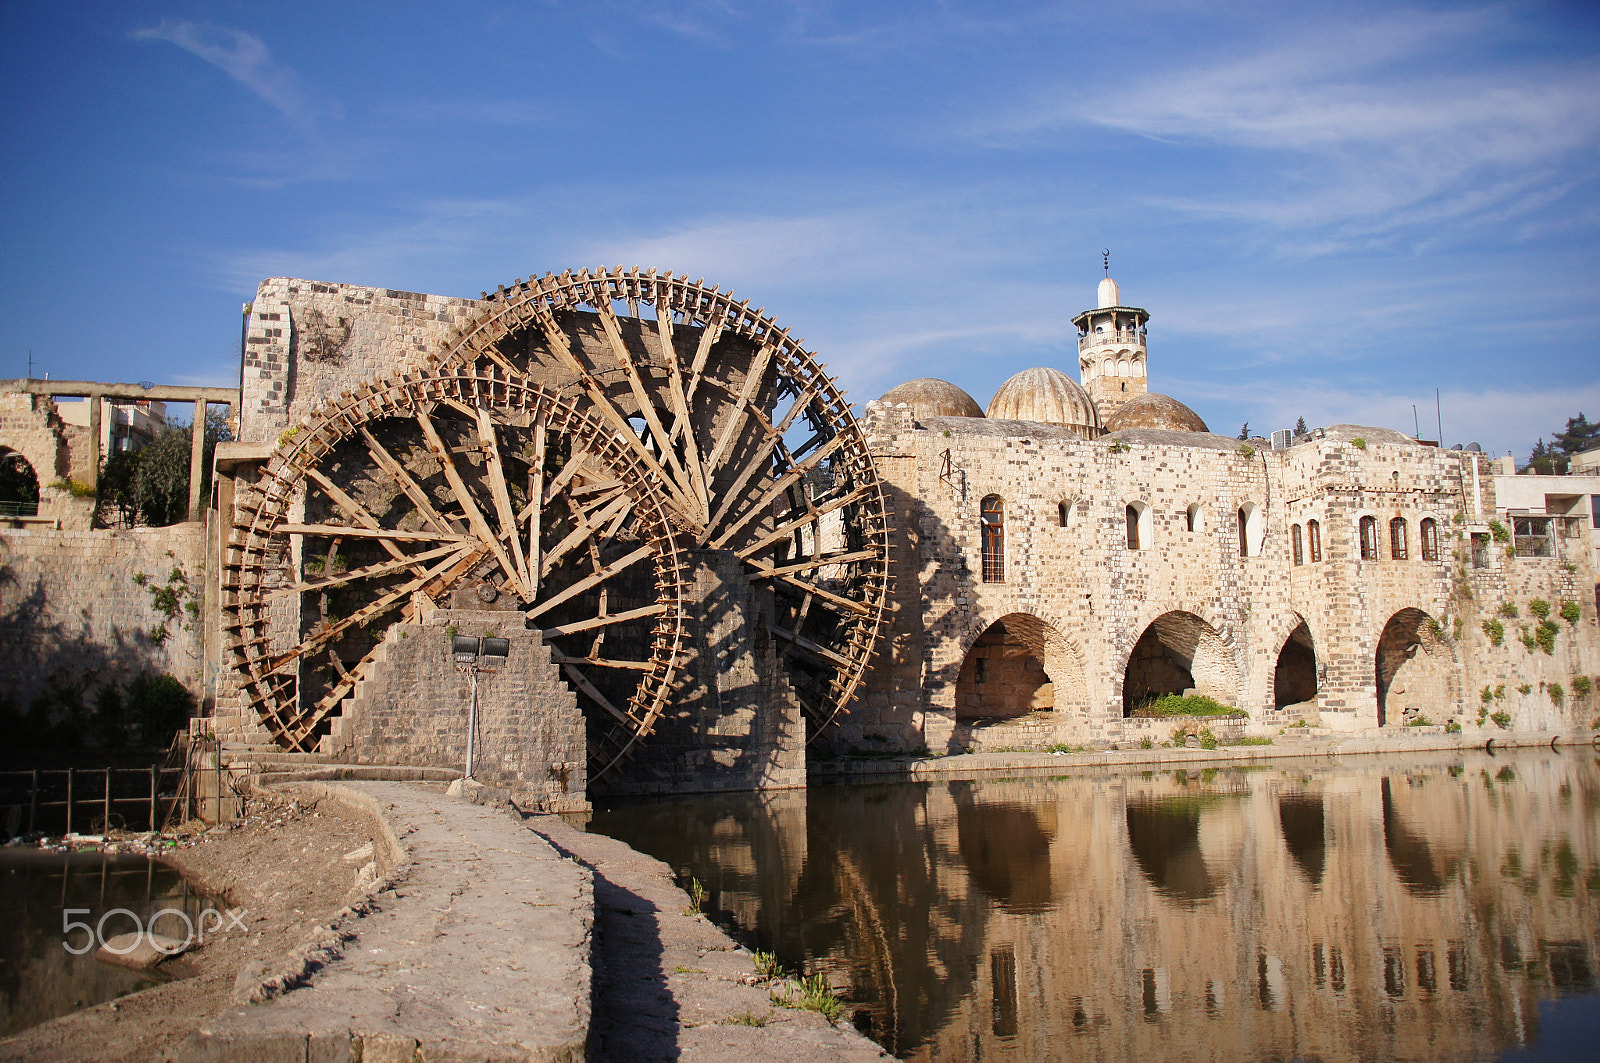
(570, 457)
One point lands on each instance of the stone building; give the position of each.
(701, 558)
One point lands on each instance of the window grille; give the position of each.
(1369, 539)
(992, 517)
(1430, 539)
(1398, 544)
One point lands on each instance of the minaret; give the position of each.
(1111, 349)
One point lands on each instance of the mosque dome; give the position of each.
(931, 397)
(1047, 396)
(1153, 410)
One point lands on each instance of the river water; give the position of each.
(1436, 907)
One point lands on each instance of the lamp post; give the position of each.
(468, 652)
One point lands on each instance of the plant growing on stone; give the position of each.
(1545, 636)
(1497, 634)
(1529, 643)
(1419, 721)
(1359, 443)
(812, 993)
(1499, 531)
(1501, 720)
(1570, 612)
(1539, 608)
(1557, 695)
(1581, 686)
(1525, 689)
(1509, 610)
(1452, 727)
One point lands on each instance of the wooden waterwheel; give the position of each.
(657, 417)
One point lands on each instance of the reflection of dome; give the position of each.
(1155, 411)
(931, 397)
(1047, 396)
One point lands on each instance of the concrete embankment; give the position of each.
(490, 938)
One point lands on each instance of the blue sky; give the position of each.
(1328, 213)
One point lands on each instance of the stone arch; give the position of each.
(1018, 664)
(1294, 676)
(1179, 652)
(1415, 670)
(19, 484)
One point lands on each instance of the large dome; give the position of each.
(931, 397)
(1047, 396)
(1153, 410)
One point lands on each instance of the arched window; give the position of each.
(1397, 539)
(1064, 513)
(1249, 530)
(1430, 539)
(1369, 539)
(1294, 542)
(992, 516)
(1314, 540)
(1140, 524)
(1194, 517)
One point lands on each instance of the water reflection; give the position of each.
(1329, 912)
(39, 979)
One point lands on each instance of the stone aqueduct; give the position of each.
(668, 505)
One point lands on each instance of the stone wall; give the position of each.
(30, 425)
(72, 617)
(413, 709)
(308, 341)
(1187, 605)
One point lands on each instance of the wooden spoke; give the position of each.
(469, 505)
(597, 576)
(502, 498)
(387, 568)
(413, 490)
(604, 621)
(393, 534)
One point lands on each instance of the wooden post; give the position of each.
(33, 802)
(197, 463)
(69, 801)
(105, 823)
(152, 798)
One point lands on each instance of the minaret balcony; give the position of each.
(1110, 337)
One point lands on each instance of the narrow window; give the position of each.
(1063, 514)
(1249, 530)
(992, 516)
(1397, 539)
(1133, 528)
(1244, 534)
(1294, 540)
(1194, 517)
(1430, 539)
(1314, 540)
(1369, 539)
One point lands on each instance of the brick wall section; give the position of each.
(308, 341)
(413, 709)
(1235, 612)
(30, 425)
(71, 616)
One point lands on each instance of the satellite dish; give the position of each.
(147, 384)
(1475, 448)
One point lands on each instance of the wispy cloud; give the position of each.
(244, 57)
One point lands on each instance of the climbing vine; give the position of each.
(175, 601)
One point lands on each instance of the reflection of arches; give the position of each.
(1413, 859)
(19, 483)
(1301, 818)
(1020, 664)
(1415, 668)
(1177, 652)
(1165, 840)
(1007, 851)
(1295, 678)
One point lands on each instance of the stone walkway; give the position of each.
(482, 944)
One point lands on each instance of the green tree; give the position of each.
(1300, 428)
(1545, 460)
(1580, 435)
(18, 483)
(151, 485)
(1244, 430)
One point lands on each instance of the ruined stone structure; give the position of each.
(701, 554)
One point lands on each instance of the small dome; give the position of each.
(1109, 296)
(931, 397)
(1047, 396)
(1155, 411)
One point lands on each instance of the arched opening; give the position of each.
(1369, 539)
(1249, 530)
(19, 485)
(1399, 546)
(1179, 653)
(1294, 681)
(1065, 512)
(1020, 664)
(992, 517)
(1137, 518)
(1415, 670)
(1195, 518)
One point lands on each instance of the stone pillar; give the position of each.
(197, 463)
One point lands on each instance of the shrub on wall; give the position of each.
(1495, 630)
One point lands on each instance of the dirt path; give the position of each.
(284, 865)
